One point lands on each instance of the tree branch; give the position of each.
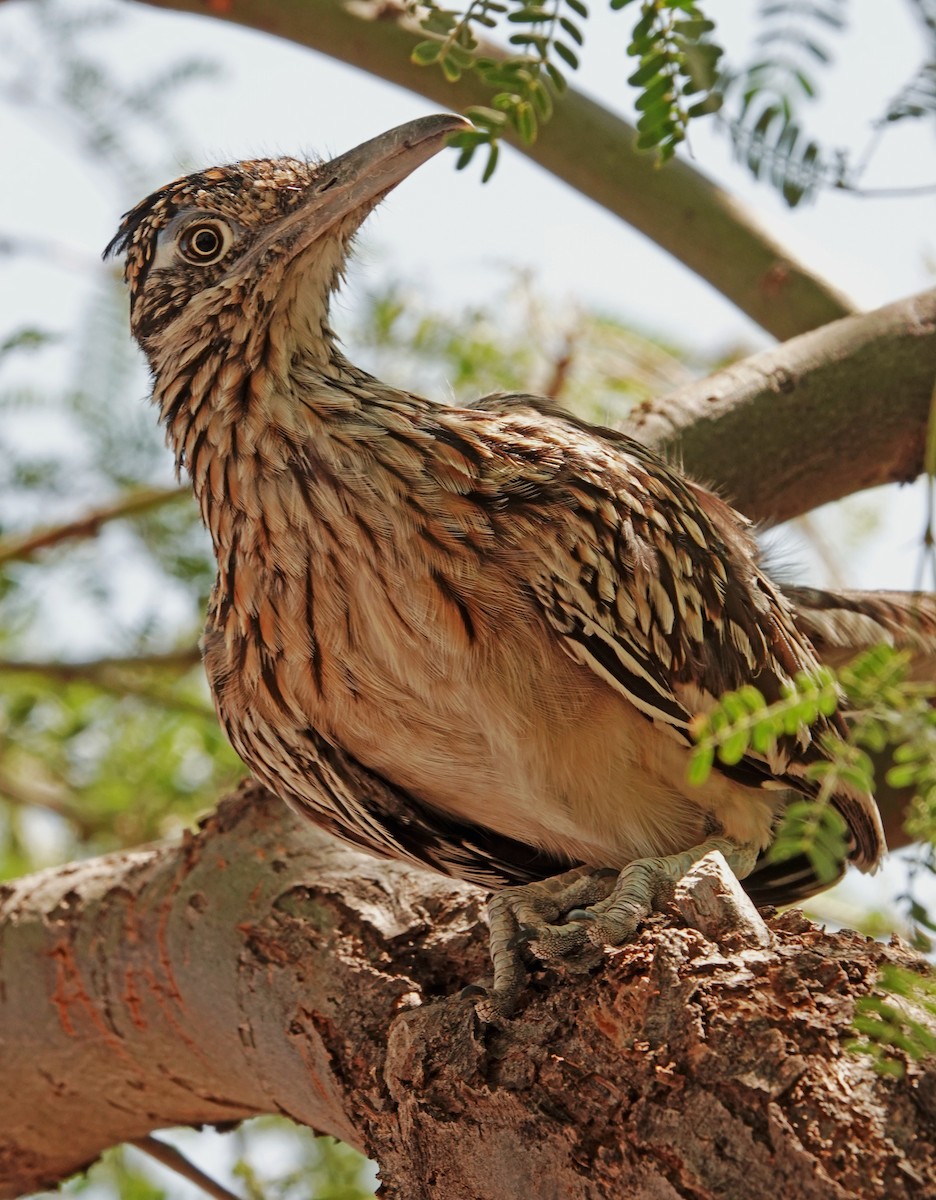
(826, 414)
(21, 549)
(31, 794)
(91, 668)
(122, 676)
(587, 146)
(172, 1158)
(261, 967)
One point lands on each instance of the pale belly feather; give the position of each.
(499, 726)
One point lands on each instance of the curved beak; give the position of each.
(356, 181)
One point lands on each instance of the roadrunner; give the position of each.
(470, 637)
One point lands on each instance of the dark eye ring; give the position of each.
(205, 242)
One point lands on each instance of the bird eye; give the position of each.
(205, 242)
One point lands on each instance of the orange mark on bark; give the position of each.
(300, 1027)
(131, 926)
(167, 998)
(70, 995)
(166, 906)
(133, 1000)
(324, 1093)
(165, 960)
(62, 996)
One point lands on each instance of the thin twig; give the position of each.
(561, 367)
(824, 547)
(887, 193)
(36, 795)
(116, 675)
(182, 659)
(19, 549)
(60, 800)
(172, 1158)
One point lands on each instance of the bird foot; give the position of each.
(570, 919)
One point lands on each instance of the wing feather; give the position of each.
(655, 585)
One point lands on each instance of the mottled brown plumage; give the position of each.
(506, 615)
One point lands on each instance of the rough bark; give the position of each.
(259, 966)
(584, 144)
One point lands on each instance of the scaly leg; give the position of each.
(603, 908)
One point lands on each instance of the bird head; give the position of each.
(214, 258)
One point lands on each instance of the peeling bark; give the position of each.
(261, 967)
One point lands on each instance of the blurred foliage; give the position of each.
(325, 1169)
(264, 1159)
(895, 1021)
(887, 711)
(597, 366)
(766, 96)
(94, 755)
(681, 76)
(121, 126)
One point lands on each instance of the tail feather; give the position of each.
(787, 882)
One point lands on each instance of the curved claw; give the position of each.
(496, 1007)
(600, 907)
(471, 991)
(524, 935)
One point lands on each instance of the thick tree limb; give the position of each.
(261, 967)
(586, 145)
(826, 414)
